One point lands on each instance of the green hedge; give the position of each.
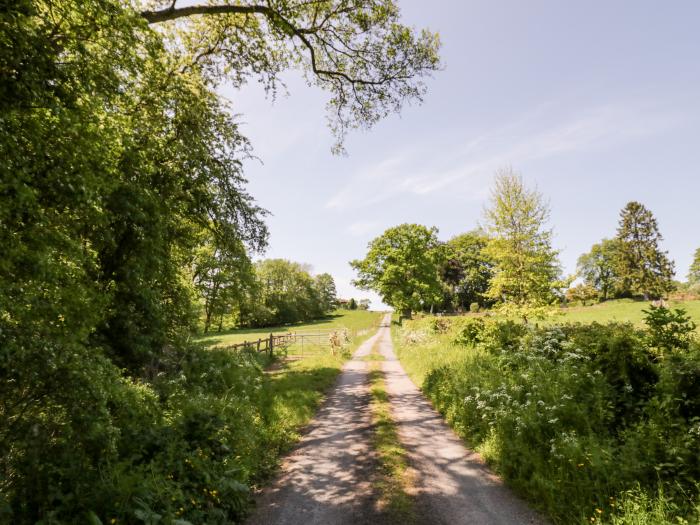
(593, 423)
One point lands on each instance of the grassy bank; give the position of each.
(623, 311)
(589, 423)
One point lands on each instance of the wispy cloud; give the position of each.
(537, 135)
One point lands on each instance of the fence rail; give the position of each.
(304, 341)
(268, 344)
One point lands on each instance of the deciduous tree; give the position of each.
(356, 50)
(402, 266)
(599, 268)
(467, 269)
(328, 296)
(526, 267)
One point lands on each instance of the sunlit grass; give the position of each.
(356, 320)
(622, 310)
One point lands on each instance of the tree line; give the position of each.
(510, 263)
(123, 208)
(234, 292)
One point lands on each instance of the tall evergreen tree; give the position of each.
(694, 272)
(526, 267)
(643, 267)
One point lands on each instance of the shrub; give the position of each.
(474, 307)
(669, 329)
(186, 446)
(578, 417)
(470, 332)
(440, 325)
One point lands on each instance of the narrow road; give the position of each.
(328, 478)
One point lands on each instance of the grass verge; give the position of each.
(394, 480)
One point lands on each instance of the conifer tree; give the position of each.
(643, 267)
(694, 272)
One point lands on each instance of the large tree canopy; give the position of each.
(120, 177)
(356, 49)
(402, 265)
(467, 269)
(599, 268)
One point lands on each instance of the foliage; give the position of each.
(525, 265)
(223, 279)
(694, 271)
(120, 180)
(584, 420)
(669, 329)
(642, 266)
(440, 325)
(358, 51)
(325, 287)
(599, 268)
(467, 270)
(286, 293)
(402, 265)
(582, 292)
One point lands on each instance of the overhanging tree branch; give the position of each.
(172, 13)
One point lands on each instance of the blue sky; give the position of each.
(596, 103)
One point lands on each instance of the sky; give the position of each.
(595, 103)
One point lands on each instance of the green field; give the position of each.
(622, 310)
(353, 320)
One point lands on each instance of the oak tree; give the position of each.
(402, 266)
(599, 268)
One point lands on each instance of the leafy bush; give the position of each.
(584, 420)
(440, 325)
(474, 307)
(669, 329)
(470, 331)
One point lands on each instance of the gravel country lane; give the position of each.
(328, 478)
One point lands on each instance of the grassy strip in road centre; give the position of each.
(393, 462)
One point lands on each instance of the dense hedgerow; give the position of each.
(594, 423)
(186, 446)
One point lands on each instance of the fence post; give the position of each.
(272, 344)
(258, 350)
